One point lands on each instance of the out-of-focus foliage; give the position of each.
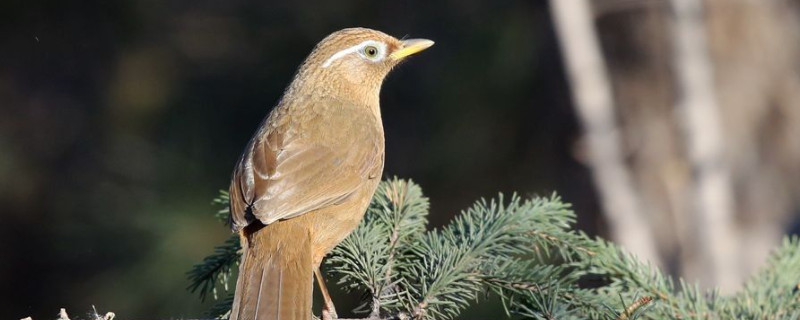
(525, 252)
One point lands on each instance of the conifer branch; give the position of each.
(215, 270)
(522, 250)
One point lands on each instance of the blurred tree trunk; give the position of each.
(754, 47)
(592, 97)
(751, 80)
(710, 213)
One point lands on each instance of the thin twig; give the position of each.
(561, 241)
(519, 285)
(634, 306)
(397, 199)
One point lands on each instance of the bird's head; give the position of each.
(351, 63)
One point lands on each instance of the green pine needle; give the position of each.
(523, 250)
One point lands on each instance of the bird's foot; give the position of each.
(329, 314)
(328, 310)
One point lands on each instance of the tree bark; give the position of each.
(592, 97)
(711, 192)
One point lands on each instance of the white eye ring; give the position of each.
(372, 50)
(361, 49)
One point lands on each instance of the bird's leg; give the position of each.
(328, 310)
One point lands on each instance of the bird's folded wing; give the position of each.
(277, 183)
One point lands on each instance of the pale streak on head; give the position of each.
(336, 56)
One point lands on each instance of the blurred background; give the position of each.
(120, 120)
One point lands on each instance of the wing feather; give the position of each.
(287, 171)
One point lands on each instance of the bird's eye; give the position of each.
(371, 52)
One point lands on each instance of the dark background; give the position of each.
(120, 120)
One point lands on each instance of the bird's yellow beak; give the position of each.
(411, 46)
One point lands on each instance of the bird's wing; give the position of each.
(285, 175)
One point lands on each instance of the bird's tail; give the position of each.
(275, 275)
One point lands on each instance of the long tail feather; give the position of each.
(275, 275)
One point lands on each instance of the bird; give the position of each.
(307, 175)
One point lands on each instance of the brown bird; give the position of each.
(307, 176)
